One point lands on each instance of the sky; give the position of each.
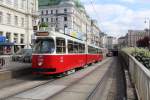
(116, 17)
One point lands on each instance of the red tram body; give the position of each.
(56, 53)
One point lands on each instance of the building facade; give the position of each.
(17, 18)
(111, 42)
(70, 17)
(104, 41)
(134, 35)
(121, 42)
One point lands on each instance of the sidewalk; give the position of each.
(11, 69)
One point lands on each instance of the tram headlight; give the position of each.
(40, 63)
(40, 60)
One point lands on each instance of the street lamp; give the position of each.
(148, 30)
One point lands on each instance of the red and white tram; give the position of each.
(58, 53)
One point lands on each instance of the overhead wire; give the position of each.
(95, 11)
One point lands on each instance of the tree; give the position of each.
(143, 42)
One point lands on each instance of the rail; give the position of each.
(5, 61)
(140, 76)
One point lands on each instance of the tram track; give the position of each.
(39, 87)
(100, 85)
(77, 83)
(19, 87)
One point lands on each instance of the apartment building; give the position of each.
(70, 17)
(134, 35)
(17, 18)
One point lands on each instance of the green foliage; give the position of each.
(43, 25)
(141, 54)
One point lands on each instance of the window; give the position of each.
(56, 19)
(65, 18)
(1, 17)
(22, 22)
(22, 4)
(15, 38)
(81, 48)
(65, 10)
(22, 39)
(8, 18)
(44, 46)
(51, 11)
(60, 45)
(1, 33)
(70, 46)
(46, 19)
(9, 1)
(92, 50)
(15, 3)
(16, 20)
(52, 20)
(42, 12)
(46, 12)
(42, 19)
(56, 11)
(76, 47)
(8, 37)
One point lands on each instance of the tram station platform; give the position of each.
(10, 69)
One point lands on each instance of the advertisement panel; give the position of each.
(2, 39)
(77, 35)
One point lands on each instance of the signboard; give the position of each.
(42, 34)
(2, 39)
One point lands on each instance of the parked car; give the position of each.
(109, 54)
(27, 56)
(20, 54)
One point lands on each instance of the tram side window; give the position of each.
(92, 50)
(99, 51)
(70, 46)
(60, 45)
(76, 47)
(81, 48)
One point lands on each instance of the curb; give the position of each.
(129, 87)
(9, 74)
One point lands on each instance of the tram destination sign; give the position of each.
(42, 34)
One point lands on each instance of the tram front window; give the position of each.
(44, 46)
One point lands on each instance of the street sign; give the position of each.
(2, 39)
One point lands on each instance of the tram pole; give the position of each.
(86, 44)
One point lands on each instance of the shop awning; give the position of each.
(6, 44)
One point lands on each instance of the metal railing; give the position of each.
(5, 62)
(140, 77)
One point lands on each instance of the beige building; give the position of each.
(111, 42)
(134, 35)
(70, 17)
(17, 18)
(121, 42)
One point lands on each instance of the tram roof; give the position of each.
(61, 35)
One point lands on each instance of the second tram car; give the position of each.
(56, 53)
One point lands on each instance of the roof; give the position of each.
(56, 2)
(48, 2)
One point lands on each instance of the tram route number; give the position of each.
(2, 62)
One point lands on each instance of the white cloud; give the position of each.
(129, 1)
(116, 19)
